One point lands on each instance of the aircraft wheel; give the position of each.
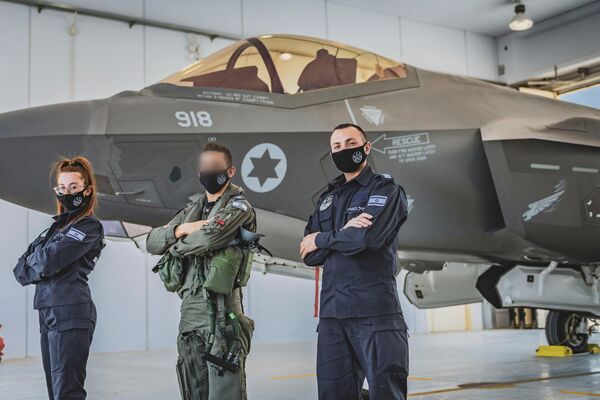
(562, 329)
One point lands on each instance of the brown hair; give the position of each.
(212, 146)
(84, 168)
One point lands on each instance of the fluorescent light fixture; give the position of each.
(545, 166)
(520, 22)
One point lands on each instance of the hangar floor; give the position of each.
(443, 366)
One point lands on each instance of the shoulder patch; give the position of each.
(386, 176)
(76, 234)
(241, 204)
(377, 201)
(326, 203)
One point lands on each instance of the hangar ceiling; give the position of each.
(488, 17)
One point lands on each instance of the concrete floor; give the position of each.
(442, 367)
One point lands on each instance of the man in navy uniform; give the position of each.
(354, 234)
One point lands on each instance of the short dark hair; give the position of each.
(349, 125)
(212, 146)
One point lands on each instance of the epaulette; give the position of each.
(386, 177)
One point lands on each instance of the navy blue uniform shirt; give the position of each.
(59, 261)
(360, 263)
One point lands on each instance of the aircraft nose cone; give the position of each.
(53, 120)
(30, 141)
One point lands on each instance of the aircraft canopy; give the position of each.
(287, 64)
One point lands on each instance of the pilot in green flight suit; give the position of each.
(200, 242)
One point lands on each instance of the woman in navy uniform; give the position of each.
(58, 262)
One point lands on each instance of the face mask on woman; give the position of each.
(73, 201)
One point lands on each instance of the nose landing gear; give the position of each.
(569, 329)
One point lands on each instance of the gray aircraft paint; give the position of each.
(461, 147)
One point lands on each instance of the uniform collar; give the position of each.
(232, 190)
(66, 215)
(363, 178)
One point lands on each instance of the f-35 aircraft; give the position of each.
(503, 187)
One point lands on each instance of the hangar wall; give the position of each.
(134, 310)
(563, 41)
(41, 63)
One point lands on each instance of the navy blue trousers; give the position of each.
(66, 336)
(350, 350)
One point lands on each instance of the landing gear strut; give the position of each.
(565, 328)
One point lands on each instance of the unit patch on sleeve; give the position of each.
(326, 203)
(241, 204)
(377, 201)
(76, 234)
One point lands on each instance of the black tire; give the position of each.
(560, 331)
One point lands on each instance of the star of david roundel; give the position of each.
(264, 167)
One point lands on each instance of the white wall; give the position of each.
(41, 63)
(135, 312)
(14, 56)
(13, 298)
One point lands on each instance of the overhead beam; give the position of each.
(127, 19)
(560, 83)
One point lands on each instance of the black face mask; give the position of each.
(73, 201)
(213, 181)
(349, 160)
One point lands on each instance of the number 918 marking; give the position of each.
(188, 119)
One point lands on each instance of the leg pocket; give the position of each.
(192, 370)
(182, 379)
(387, 357)
(246, 332)
(338, 374)
(69, 348)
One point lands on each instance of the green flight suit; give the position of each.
(197, 379)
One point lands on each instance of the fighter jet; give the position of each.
(503, 187)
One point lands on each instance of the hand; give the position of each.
(361, 221)
(308, 244)
(189, 227)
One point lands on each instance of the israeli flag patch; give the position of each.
(76, 234)
(377, 201)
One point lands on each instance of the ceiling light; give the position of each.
(285, 56)
(520, 22)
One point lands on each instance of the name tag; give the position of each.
(354, 209)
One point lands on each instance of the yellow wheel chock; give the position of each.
(553, 351)
(593, 348)
(563, 351)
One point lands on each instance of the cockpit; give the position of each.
(287, 64)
